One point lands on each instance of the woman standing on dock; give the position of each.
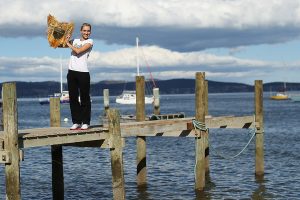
(79, 78)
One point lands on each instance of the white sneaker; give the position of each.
(75, 126)
(84, 126)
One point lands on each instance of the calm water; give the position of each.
(170, 161)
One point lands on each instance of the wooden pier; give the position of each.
(112, 135)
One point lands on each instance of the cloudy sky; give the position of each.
(230, 40)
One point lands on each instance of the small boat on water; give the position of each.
(63, 94)
(129, 97)
(64, 98)
(280, 96)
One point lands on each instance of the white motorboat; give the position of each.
(64, 98)
(129, 97)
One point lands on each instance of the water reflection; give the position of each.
(206, 193)
(142, 192)
(259, 193)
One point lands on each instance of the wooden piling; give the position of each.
(141, 140)
(206, 137)
(106, 100)
(56, 153)
(200, 140)
(156, 104)
(1, 116)
(116, 154)
(259, 120)
(206, 97)
(10, 121)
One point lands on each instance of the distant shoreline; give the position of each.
(172, 86)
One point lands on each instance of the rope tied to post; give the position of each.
(201, 126)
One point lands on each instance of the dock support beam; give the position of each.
(200, 139)
(156, 104)
(56, 153)
(10, 121)
(259, 120)
(106, 100)
(116, 153)
(206, 139)
(141, 140)
(1, 116)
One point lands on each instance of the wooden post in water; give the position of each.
(1, 116)
(206, 139)
(156, 105)
(116, 153)
(200, 139)
(56, 153)
(141, 141)
(259, 120)
(106, 100)
(11, 144)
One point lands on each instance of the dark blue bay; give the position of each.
(170, 161)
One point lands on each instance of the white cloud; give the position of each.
(159, 57)
(179, 25)
(164, 64)
(131, 13)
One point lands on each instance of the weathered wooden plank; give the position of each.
(1, 143)
(169, 128)
(181, 127)
(200, 139)
(1, 116)
(259, 137)
(54, 131)
(206, 135)
(230, 122)
(141, 155)
(56, 153)
(10, 121)
(95, 143)
(116, 154)
(61, 140)
(156, 103)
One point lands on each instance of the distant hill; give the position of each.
(173, 86)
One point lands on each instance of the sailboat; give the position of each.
(63, 94)
(281, 95)
(129, 96)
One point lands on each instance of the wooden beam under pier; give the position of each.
(182, 127)
(60, 136)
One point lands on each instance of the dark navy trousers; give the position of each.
(79, 85)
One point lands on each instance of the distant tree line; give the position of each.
(173, 86)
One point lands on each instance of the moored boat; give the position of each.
(280, 96)
(64, 98)
(129, 96)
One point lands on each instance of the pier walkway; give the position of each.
(113, 133)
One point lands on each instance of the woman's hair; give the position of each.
(85, 24)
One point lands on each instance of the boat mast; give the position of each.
(61, 83)
(137, 56)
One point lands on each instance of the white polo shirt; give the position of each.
(78, 62)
